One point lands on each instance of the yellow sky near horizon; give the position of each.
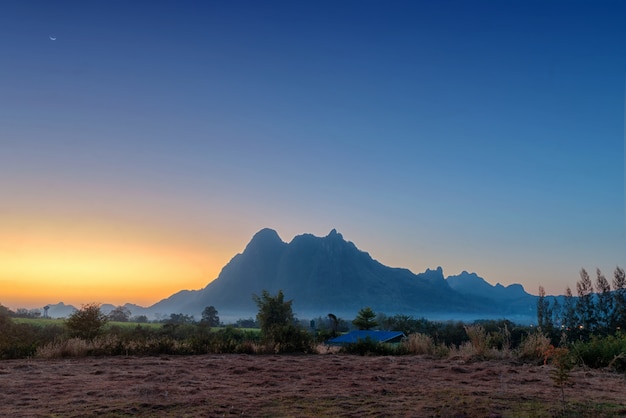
(50, 262)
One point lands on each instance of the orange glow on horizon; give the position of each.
(53, 264)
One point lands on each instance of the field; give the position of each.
(41, 322)
(300, 386)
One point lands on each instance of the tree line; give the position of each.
(598, 309)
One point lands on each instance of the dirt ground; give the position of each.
(299, 386)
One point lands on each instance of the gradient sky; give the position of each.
(142, 149)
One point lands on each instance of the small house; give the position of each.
(362, 335)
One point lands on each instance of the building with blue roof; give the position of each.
(361, 335)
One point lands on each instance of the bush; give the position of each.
(87, 323)
(602, 352)
(534, 347)
(19, 340)
(478, 338)
(292, 339)
(420, 344)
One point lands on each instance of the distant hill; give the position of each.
(330, 274)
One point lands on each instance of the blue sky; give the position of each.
(481, 136)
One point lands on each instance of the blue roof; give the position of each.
(354, 336)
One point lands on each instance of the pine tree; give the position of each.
(570, 319)
(544, 314)
(604, 307)
(618, 322)
(584, 305)
(365, 319)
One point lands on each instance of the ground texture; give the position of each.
(300, 386)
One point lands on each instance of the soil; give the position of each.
(300, 386)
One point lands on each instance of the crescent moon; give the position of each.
(52, 38)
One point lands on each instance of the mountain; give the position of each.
(472, 284)
(330, 274)
(60, 310)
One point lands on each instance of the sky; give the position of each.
(144, 146)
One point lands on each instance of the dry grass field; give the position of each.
(326, 385)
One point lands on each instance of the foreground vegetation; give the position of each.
(89, 333)
(586, 331)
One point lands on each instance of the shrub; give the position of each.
(87, 323)
(478, 338)
(73, 347)
(420, 344)
(602, 352)
(533, 347)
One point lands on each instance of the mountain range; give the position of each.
(329, 274)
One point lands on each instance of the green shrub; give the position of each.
(88, 322)
(602, 352)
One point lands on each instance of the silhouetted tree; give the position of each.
(210, 317)
(618, 322)
(544, 313)
(556, 309)
(334, 323)
(275, 317)
(139, 318)
(604, 307)
(119, 314)
(584, 304)
(274, 311)
(180, 318)
(247, 323)
(88, 322)
(570, 319)
(366, 319)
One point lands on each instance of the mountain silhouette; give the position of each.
(330, 274)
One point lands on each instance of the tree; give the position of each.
(88, 322)
(570, 319)
(275, 317)
(604, 307)
(119, 314)
(544, 313)
(179, 318)
(584, 305)
(619, 300)
(209, 316)
(139, 319)
(274, 313)
(334, 323)
(366, 319)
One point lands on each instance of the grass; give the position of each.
(40, 322)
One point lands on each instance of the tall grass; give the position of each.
(534, 347)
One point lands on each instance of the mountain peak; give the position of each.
(334, 234)
(264, 237)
